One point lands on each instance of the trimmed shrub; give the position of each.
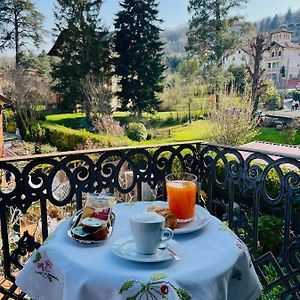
(66, 139)
(137, 132)
(296, 95)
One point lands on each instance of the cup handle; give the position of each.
(169, 233)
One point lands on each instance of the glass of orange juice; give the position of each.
(181, 193)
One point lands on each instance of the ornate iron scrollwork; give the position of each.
(237, 184)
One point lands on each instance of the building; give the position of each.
(281, 62)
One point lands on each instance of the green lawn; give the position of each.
(71, 120)
(198, 130)
(273, 135)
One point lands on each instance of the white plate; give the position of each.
(125, 248)
(201, 219)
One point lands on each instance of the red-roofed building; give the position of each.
(293, 83)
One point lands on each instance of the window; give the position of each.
(269, 65)
(279, 53)
(273, 54)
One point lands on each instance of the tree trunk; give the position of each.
(17, 46)
(255, 86)
(139, 114)
(217, 101)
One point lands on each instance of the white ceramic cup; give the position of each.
(149, 232)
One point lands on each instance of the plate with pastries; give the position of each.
(93, 224)
(201, 219)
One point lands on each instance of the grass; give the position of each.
(274, 135)
(71, 120)
(198, 130)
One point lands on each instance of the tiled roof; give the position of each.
(272, 147)
(293, 83)
(281, 30)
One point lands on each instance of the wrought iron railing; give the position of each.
(239, 186)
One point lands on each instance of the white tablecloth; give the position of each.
(215, 265)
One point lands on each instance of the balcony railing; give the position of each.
(239, 186)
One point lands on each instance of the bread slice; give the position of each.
(171, 220)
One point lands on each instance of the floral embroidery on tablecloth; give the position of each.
(156, 288)
(43, 267)
(236, 274)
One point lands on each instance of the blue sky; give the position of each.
(174, 12)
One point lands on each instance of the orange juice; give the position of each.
(182, 198)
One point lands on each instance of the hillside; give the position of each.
(6, 61)
(289, 21)
(175, 41)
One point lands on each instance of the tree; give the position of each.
(255, 46)
(289, 17)
(41, 63)
(97, 97)
(139, 50)
(239, 80)
(84, 48)
(267, 25)
(275, 23)
(232, 126)
(262, 26)
(20, 24)
(27, 92)
(213, 30)
(270, 97)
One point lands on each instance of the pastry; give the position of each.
(87, 212)
(170, 218)
(100, 234)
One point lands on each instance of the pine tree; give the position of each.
(262, 26)
(83, 51)
(268, 24)
(289, 17)
(275, 23)
(138, 61)
(20, 24)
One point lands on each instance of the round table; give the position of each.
(215, 265)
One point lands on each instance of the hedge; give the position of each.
(66, 139)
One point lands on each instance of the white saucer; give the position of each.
(201, 219)
(125, 248)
